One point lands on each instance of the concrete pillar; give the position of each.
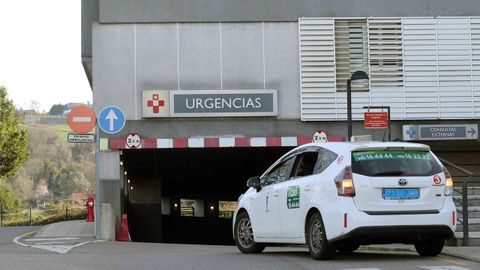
(108, 188)
(107, 220)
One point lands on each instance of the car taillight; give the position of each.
(344, 183)
(448, 182)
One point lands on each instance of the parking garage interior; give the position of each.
(188, 195)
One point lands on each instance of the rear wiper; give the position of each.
(393, 173)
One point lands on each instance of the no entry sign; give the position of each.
(375, 120)
(81, 119)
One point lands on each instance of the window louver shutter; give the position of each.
(350, 52)
(454, 67)
(420, 68)
(386, 64)
(317, 69)
(475, 37)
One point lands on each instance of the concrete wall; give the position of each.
(89, 16)
(131, 58)
(115, 11)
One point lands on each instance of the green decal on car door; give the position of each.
(293, 197)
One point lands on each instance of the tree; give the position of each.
(9, 200)
(13, 138)
(57, 109)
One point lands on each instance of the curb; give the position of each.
(384, 249)
(400, 249)
(465, 257)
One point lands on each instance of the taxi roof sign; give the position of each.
(362, 138)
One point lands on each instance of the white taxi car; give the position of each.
(338, 196)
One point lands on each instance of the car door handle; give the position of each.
(276, 194)
(307, 188)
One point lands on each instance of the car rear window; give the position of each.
(394, 163)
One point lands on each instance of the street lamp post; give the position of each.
(357, 75)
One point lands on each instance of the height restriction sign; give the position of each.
(375, 120)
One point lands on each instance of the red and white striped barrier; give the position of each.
(219, 142)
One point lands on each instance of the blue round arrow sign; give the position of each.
(111, 120)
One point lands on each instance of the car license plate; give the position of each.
(401, 193)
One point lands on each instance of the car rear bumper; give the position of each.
(395, 234)
(396, 227)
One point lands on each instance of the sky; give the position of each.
(40, 53)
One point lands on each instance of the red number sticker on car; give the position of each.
(437, 180)
(340, 159)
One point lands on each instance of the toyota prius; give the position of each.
(334, 197)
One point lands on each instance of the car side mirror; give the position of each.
(254, 182)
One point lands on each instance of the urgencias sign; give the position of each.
(210, 103)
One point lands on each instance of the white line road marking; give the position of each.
(363, 269)
(82, 119)
(50, 239)
(62, 249)
(444, 267)
(50, 243)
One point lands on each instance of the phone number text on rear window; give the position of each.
(376, 155)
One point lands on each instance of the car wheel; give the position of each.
(432, 247)
(316, 239)
(244, 235)
(346, 248)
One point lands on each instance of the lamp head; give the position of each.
(359, 75)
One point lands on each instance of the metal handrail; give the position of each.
(465, 171)
(464, 195)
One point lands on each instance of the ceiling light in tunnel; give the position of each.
(125, 172)
(175, 205)
(121, 163)
(128, 181)
(211, 208)
(131, 188)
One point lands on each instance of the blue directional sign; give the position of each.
(111, 120)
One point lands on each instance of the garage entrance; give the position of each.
(188, 195)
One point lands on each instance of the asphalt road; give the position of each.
(7, 234)
(117, 255)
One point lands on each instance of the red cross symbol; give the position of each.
(156, 103)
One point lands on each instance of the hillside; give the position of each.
(56, 168)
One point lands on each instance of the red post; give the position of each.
(90, 203)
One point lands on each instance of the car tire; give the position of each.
(432, 247)
(316, 239)
(347, 248)
(244, 235)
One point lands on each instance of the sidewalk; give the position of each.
(73, 228)
(80, 228)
